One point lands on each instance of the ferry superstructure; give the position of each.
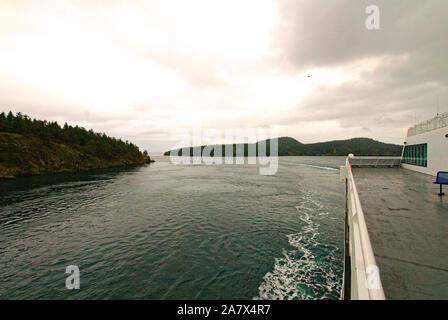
(426, 146)
(396, 238)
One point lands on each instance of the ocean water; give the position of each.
(169, 231)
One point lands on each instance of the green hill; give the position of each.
(31, 147)
(291, 147)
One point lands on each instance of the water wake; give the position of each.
(308, 271)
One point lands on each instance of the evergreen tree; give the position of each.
(96, 144)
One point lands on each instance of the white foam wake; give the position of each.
(307, 271)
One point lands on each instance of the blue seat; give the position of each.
(442, 178)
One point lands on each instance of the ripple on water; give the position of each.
(165, 232)
(308, 271)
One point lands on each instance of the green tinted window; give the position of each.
(416, 155)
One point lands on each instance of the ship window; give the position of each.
(416, 155)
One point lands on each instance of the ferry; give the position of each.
(396, 240)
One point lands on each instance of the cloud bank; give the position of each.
(140, 70)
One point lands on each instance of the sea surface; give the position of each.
(166, 231)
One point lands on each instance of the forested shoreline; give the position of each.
(30, 146)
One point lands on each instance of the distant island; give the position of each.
(291, 147)
(31, 147)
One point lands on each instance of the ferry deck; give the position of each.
(408, 227)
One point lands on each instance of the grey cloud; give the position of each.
(411, 47)
(411, 76)
(325, 33)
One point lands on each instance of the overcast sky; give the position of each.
(139, 70)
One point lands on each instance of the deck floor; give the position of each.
(408, 228)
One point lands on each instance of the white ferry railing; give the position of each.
(439, 121)
(365, 281)
(375, 161)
